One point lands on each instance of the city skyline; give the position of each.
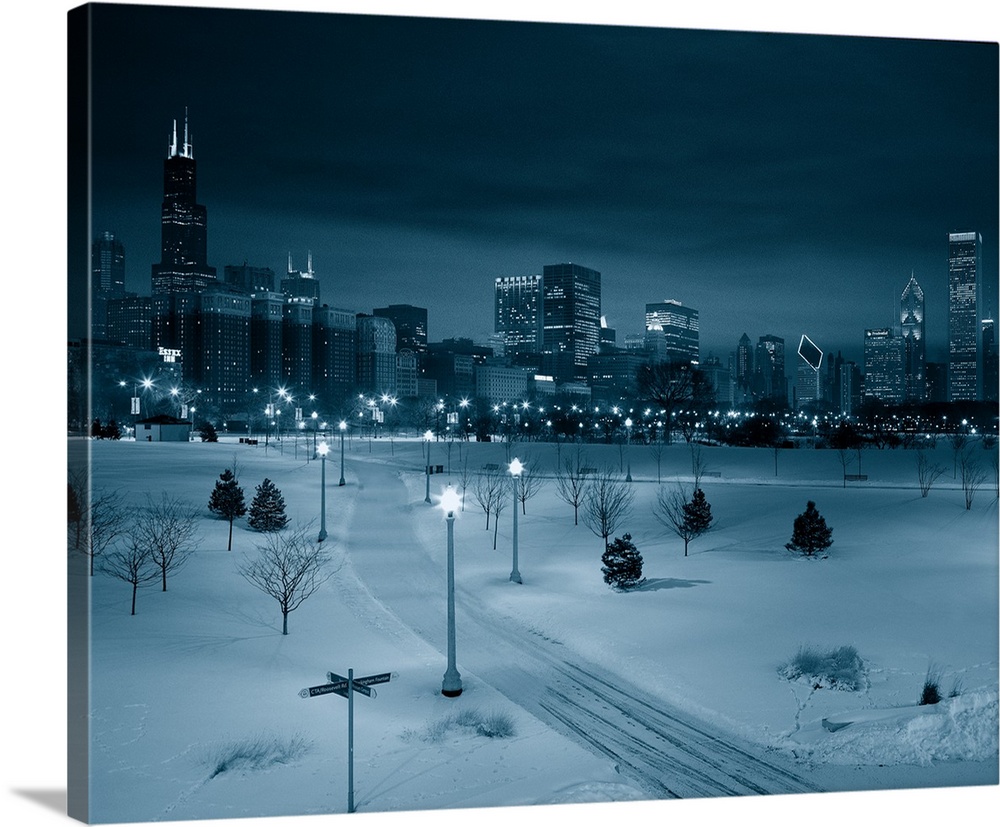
(715, 188)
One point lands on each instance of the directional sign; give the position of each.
(340, 687)
(371, 680)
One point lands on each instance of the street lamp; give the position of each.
(516, 467)
(451, 686)
(628, 440)
(322, 450)
(428, 436)
(343, 427)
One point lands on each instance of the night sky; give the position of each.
(778, 183)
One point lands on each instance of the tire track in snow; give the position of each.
(664, 752)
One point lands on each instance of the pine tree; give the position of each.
(810, 533)
(227, 501)
(697, 516)
(267, 511)
(622, 564)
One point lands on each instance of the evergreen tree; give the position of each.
(687, 519)
(227, 501)
(810, 533)
(622, 564)
(697, 515)
(267, 511)
(207, 432)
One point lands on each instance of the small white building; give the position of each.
(162, 428)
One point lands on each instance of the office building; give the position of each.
(107, 280)
(297, 346)
(224, 348)
(911, 321)
(376, 354)
(130, 321)
(965, 356)
(770, 381)
(301, 286)
(988, 343)
(249, 279)
(571, 306)
(672, 332)
(335, 364)
(809, 384)
(411, 326)
(183, 265)
(884, 365)
(518, 313)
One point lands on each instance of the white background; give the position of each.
(32, 412)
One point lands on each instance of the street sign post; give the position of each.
(346, 687)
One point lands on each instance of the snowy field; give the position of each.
(201, 669)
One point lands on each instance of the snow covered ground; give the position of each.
(910, 582)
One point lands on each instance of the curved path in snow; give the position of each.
(666, 753)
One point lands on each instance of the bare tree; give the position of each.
(503, 493)
(672, 385)
(488, 489)
(529, 482)
(656, 449)
(688, 519)
(464, 478)
(958, 442)
(607, 503)
(927, 473)
(288, 567)
(844, 455)
(131, 563)
(76, 505)
(167, 528)
(973, 475)
(572, 483)
(105, 519)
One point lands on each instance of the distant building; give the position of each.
(518, 313)
(411, 326)
(720, 378)
(609, 339)
(937, 381)
(407, 374)
(183, 265)
(130, 321)
(571, 304)
(770, 380)
(988, 344)
(850, 388)
(266, 321)
(965, 277)
(743, 368)
(884, 365)
(334, 354)
(297, 346)
(107, 280)
(499, 383)
(249, 279)
(612, 374)
(376, 354)
(672, 332)
(224, 357)
(162, 428)
(911, 320)
(809, 384)
(301, 286)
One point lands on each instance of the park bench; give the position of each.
(855, 477)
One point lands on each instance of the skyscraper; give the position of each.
(809, 384)
(965, 356)
(183, 224)
(672, 332)
(107, 280)
(770, 381)
(518, 313)
(411, 326)
(571, 333)
(911, 320)
(743, 367)
(376, 354)
(884, 365)
(990, 364)
(301, 285)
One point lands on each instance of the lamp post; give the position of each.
(628, 440)
(451, 686)
(322, 450)
(516, 467)
(428, 436)
(343, 427)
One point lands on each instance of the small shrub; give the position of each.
(256, 753)
(490, 725)
(622, 564)
(931, 693)
(956, 688)
(841, 668)
(496, 725)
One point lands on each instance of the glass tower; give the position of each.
(911, 321)
(965, 357)
(571, 332)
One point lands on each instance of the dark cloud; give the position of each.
(779, 183)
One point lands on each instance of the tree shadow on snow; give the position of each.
(656, 583)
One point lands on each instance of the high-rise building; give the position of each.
(224, 363)
(411, 326)
(911, 321)
(884, 365)
(266, 314)
(376, 354)
(130, 321)
(183, 263)
(107, 280)
(965, 356)
(249, 279)
(571, 306)
(988, 343)
(301, 286)
(335, 364)
(770, 381)
(518, 313)
(849, 386)
(809, 384)
(743, 367)
(297, 346)
(672, 332)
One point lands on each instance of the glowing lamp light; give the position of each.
(450, 501)
(628, 422)
(516, 467)
(428, 435)
(343, 425)
(322, 449)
